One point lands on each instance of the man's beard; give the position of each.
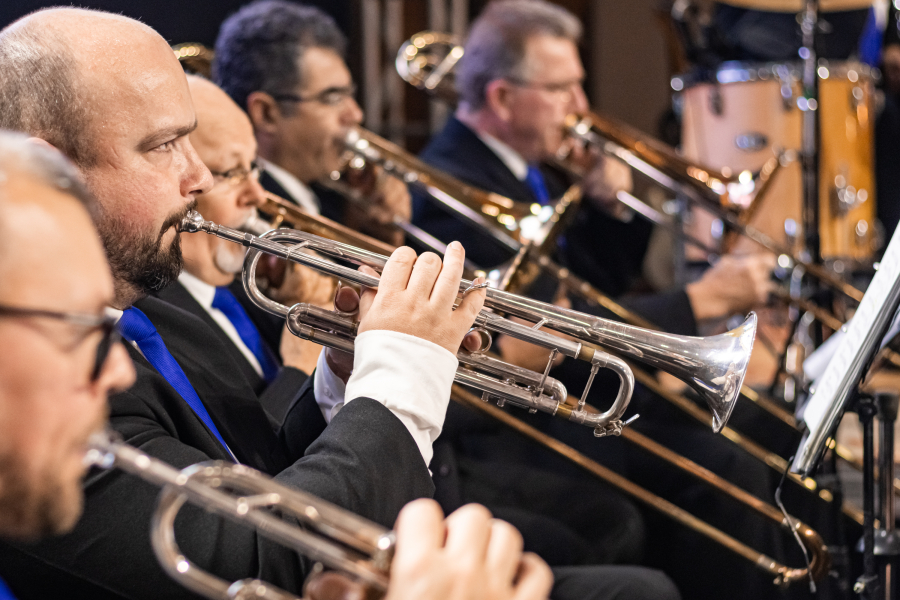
(32, 510)
(141, 260)
(46, 504)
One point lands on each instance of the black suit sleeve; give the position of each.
(364, 461)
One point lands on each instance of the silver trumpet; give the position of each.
(323, 532)
(713, 366)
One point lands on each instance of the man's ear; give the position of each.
(42, 142)
(46, 144)
(265, 113)
(497, 95)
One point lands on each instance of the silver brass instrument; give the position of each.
(714, 366)
(327, 533)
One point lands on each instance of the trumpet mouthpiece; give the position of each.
(192, 222)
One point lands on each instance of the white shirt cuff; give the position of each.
(410, 376)
(328, 389)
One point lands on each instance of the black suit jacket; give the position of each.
(331, 204)
(276, 397)
(594, 245)
(364, 460)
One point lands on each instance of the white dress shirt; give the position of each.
(204, 294)
(300, 192)
(410, 376)
(512, 159)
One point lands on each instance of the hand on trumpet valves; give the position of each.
(467, 556)
(733, 285)
(416, 296)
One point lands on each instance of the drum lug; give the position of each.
(716, 104)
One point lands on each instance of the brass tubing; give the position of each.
(820, 560)
(766, 456)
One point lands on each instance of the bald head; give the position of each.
(220, 121)
(58, 67)
(109, 92)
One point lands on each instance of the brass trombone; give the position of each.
(327, 533)
(783, 575)
(427, 59)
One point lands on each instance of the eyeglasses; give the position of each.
(333, 96)
(106, 324)
(564, 87)
(238, 175)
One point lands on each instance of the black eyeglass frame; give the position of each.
(340, 94)
(105, 323)
(239, 175)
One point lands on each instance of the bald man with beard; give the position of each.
(125, 124)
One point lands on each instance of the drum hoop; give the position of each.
(736, 71)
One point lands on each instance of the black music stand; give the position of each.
(838, 389)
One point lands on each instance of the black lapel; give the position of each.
(228, 397)
(270, 185)
(177, 295)
(461, 153)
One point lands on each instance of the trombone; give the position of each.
(427, 59)
(327, 533)
(783, 575)
(714, 366)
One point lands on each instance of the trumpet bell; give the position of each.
(721, 366)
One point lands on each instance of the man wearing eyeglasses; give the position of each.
(284, 64)
(59, 358)
(225, 143)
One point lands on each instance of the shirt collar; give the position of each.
(298, 190)
(512, 159)
(202, 292)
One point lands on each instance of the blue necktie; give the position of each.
(5, 594)
(137, 328)
(225, 301)
(535, 180)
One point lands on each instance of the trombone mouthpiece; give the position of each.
(192, 222)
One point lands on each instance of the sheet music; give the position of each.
(861, 340)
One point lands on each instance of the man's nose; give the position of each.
(253, 193)
(196, 179)
(352, 114)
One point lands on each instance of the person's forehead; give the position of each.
(323, 68)
(224, 132)
(139, 93)
(556, 56)
(63, 269)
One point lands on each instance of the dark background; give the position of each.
(624, 48)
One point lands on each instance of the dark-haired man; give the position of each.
(190, 403)
(283, 63)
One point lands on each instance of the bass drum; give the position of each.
(750, 112)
